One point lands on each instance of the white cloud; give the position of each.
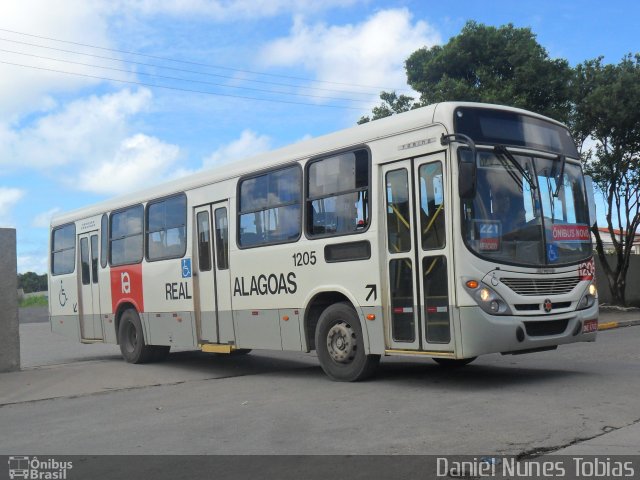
(88, 130)
(249, 143)
(43, 220)
(33, 263)
(224, 10)
(368, 53)
(8, 198)
(140, 161)
(304, 138)
(89, 145)
(76, 20)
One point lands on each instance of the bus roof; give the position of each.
(353, 136)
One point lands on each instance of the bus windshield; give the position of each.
(533, 215)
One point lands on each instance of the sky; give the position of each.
(99, 98)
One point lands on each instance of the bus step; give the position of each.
(216, 348)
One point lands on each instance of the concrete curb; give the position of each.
(610, 317)
(617, 324)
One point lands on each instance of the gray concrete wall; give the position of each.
(9, 327)
(633, 281)
(36, 294)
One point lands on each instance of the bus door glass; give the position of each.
(89, 301)
(433, 252)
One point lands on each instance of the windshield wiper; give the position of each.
(502, 150)
(563, 160)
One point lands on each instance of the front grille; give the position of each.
(542, 286)
(549, 327)
(534, 307)
(527, 307)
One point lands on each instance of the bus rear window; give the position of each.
(63, 250)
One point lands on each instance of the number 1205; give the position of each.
(304, 258)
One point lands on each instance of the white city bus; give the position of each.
(450, 231)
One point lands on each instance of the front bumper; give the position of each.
(483, 333)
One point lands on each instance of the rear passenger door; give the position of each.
(204, 277)
(212, 276)
(89, 308)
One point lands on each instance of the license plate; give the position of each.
(590, 326)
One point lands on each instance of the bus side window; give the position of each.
(63, 250)
(166, 228)
(269, 210)
(125, 236)
(338, 194)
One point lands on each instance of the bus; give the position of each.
(450, 231)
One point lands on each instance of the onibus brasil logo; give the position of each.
(35, 469)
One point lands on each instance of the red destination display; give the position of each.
(570, 233)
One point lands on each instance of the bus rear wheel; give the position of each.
(453, 362)
(131, 339)
(340, 345)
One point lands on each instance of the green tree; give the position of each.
(32, 282)
(606, 109)
(391, 103)
(504, 65)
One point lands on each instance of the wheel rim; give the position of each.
(342, 343)
(131, 338)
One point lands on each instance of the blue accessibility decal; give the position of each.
(552, 252)
(186, 268)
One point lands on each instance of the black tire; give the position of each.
(453, 362)
(340, 347)
(241, 351)
(131, 339)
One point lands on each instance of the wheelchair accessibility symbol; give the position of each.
(186, 268)
(552, 252)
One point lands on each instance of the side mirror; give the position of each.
(467, 174)
(591, 200)
(467, 166)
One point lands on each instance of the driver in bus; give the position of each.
(509, 210)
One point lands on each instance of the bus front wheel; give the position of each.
(340, 345)
(131, 339)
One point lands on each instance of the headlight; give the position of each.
(588, 298)
(485, 294)
(487, 298)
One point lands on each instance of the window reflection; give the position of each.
(269, 210)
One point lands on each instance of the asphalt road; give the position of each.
(33, 315)
(88, 401)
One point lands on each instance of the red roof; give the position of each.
(616, 232)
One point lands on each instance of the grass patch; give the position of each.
(39, 301)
